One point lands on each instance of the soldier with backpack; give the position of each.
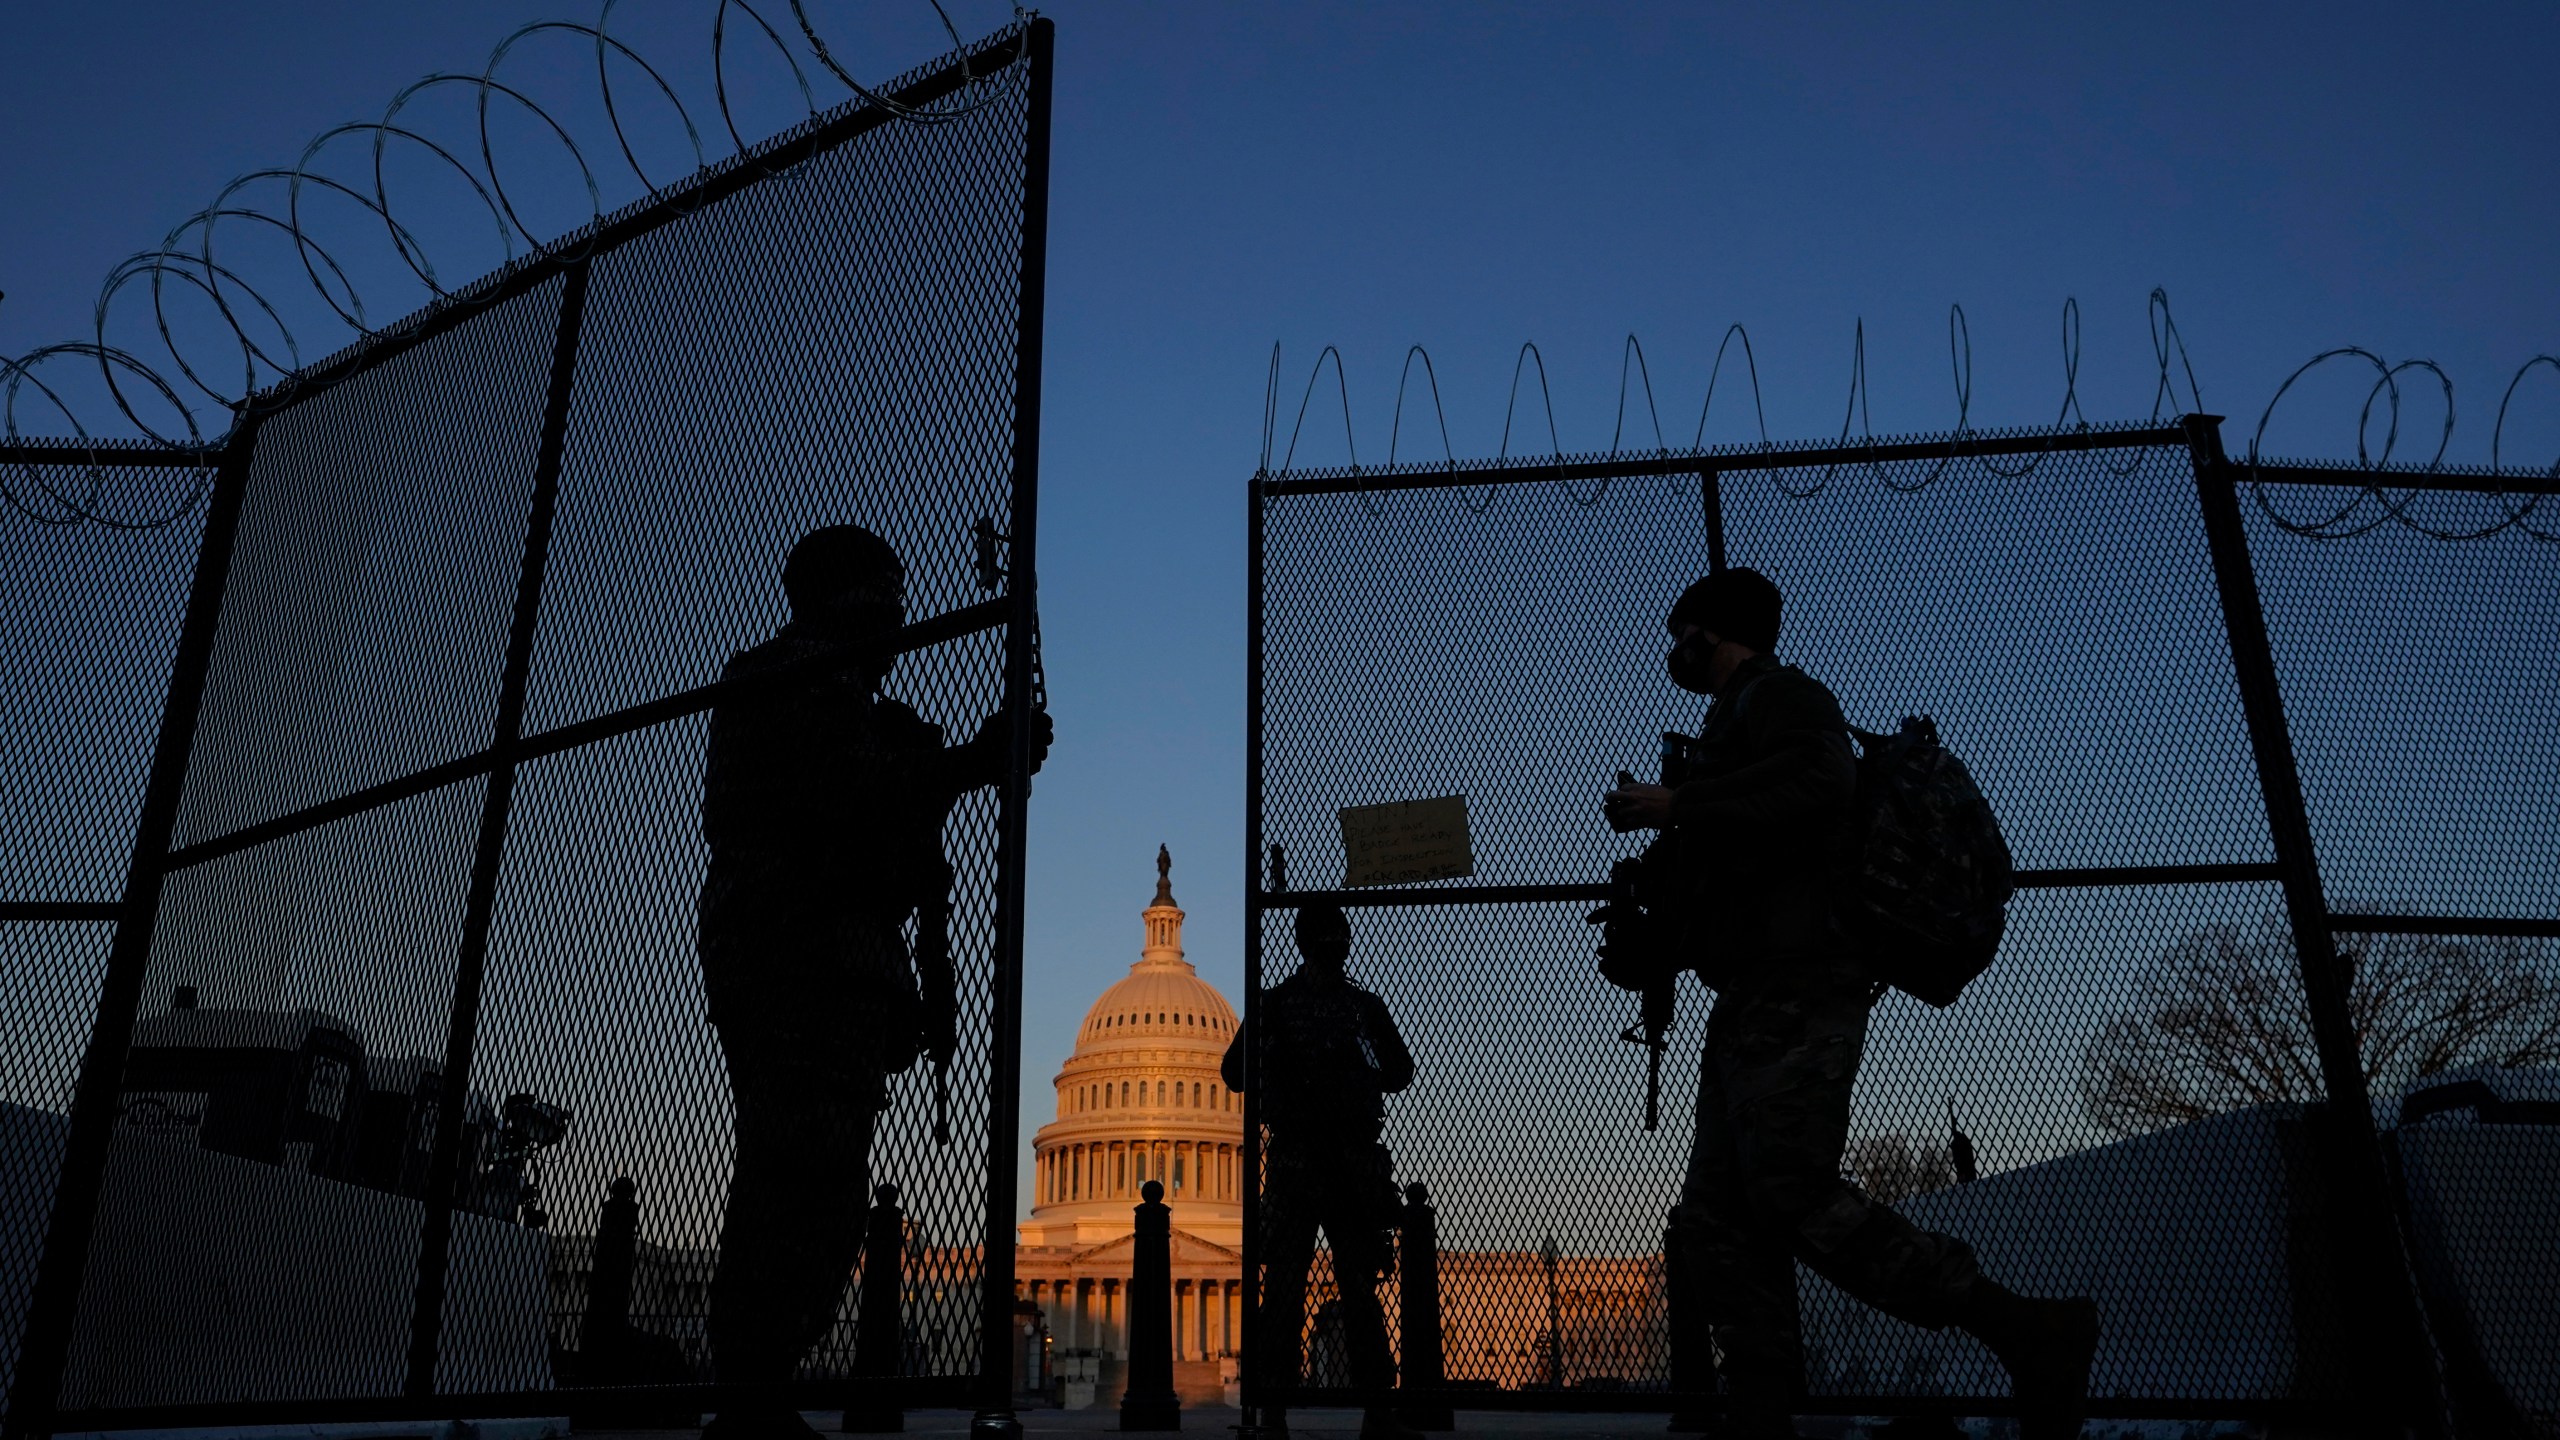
(1766, 881)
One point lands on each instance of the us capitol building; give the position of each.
(1140, 1099)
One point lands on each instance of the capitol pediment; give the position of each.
(1187, 1248)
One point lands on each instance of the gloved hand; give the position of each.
(1632, 956)
(993, 744)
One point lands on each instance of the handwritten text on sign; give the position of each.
(1406, 842)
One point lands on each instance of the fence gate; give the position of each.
(388, 971)
(2174, 689)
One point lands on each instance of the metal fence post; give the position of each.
(879, 1329)
(1150, 1403)
(444, 1167)
(1249, 1387)
(1422, 1365)
(45, 1344)
(995, 1419)
(2402, 1367)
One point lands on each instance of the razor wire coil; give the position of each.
(2175, 390)
(2375, 505)
(270, 356)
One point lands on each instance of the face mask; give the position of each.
(1688, 666)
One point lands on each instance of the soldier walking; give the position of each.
(1330, 1058)
(1753, 835)
(823, 804)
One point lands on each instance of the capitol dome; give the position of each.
(1141, 1099)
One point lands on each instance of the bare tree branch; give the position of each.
(2219, 1022)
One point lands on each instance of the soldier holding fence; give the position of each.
(823, 807)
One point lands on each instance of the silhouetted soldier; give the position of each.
(1330, 1059)
(1756, 831)
(823, 805)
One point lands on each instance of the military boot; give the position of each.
(1756, 1418)
(1760, 1398)
(2046, 1346)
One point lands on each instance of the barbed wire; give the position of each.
(2374, 505)
(270, 356)
(1634, 372)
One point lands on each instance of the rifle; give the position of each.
(1631, 959)
(935, 970)
(1633, 947)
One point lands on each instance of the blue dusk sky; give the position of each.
(1467, 178)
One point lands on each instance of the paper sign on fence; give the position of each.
(1406, 842)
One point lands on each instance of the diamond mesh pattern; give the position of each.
(2419, 679)
(84, 667)
(2060, 618)
(364, 620)
(833, 340)
(93, 617)
(359, 920)
(49, 976)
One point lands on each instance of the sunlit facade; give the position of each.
(1139, 1100)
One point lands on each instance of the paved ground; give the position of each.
(1204, 1420)
(1220, 1420)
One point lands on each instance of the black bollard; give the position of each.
(617, 1365)
(1418, 1285)
(878, 1329)
(601, 1337)
(1693, 1363)
(1150, 1403)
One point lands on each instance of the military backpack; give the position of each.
(1928, 878)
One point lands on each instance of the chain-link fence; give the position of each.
(2203, 726)
(385, 956)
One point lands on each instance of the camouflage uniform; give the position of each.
(823, 805)
(1333, 1056)
(1763, 816)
